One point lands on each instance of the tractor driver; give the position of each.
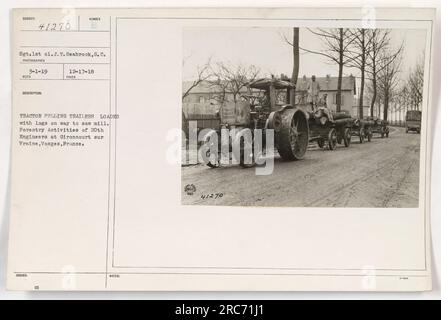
(313, 92)
(266, 101)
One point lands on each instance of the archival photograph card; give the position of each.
(257, 149)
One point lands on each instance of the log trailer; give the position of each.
(362, 128)
(380, 127)
(365, 128)
(330, 128)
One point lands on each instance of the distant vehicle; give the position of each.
(413, 121)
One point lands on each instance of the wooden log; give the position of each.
(343, 122)
(341, 115)
(367, 122)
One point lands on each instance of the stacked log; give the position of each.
(342, 118)
(338, 118)
(317, 116)
(343, 121)
(376, 121)
(341, 115)
(367, 122)
(380, 122)
(362, 122)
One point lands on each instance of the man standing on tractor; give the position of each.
(313, 92)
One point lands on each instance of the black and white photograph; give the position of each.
(302, 117)
(248, 150)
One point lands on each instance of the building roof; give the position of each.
(327, 83)
(202, 87)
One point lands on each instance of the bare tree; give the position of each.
(380, 43)
(295, 67)
(202, 74)
(358, 54)
(411, 89)
(232, 79)
(369, 94)
(388, 79)
(405, 95)
(335, 43)
(403, 98)
(415, 83)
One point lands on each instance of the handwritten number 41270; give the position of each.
(212, 196)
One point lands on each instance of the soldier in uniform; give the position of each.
(324, 107)
(313, 92)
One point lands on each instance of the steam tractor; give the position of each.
(265, 106)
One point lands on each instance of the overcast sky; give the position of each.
(266, 49)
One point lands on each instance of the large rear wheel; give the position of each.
(293, 138)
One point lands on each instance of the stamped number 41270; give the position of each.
(212, 196)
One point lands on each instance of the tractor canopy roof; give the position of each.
(264, 83)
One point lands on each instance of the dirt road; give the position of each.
(381, 173)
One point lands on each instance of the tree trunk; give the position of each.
(340, 70)
(386, 106)
(295, 68)
(379, 109)
(374, 85)
(360, 101)
(362, 70)
(340, 76)
(374, 94)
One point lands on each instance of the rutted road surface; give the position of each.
(381, 173)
